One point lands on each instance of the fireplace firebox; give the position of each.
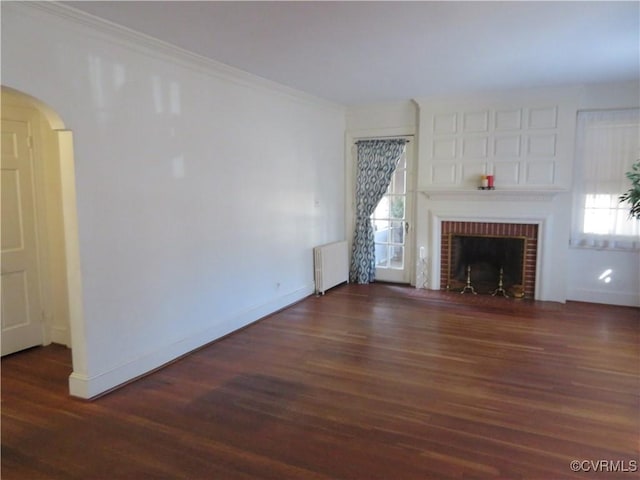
(489, 258)
(488, 264)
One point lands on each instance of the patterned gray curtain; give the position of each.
(377, 160)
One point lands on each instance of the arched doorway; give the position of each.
(41, 282)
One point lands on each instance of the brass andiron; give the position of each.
(468, 287)
(500, 290)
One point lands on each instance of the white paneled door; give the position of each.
(391, 224)
(21, 309)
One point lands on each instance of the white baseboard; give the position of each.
(61, 336)
(84, 386)
(626, 299)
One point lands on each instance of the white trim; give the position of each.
(596, 296)
(390, 132)
(83, 386)
(72, 249)
(510, 195)
(60, 335)
(595, 248)
(152, 47)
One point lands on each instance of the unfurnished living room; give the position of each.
(320, 240)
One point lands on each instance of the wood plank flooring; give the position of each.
(368, 382)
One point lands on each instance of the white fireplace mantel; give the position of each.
(548, 208)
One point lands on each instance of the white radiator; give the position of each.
(331, 264)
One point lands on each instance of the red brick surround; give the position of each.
(529, 231)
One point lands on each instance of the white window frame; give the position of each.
(607, 145)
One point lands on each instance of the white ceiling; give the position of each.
(369, 52)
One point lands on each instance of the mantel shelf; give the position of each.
(512, 194)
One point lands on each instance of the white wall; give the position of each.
(611, 277)
(392, 115)
(201, 190)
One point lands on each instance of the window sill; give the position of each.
(597, 248)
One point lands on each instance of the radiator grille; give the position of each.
(331, 265)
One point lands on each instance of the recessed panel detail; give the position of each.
(507, 146)
(508, 120)
(543, 117)
(474, 148)
(15, 312)
(12, 231)
(476, 122)
(542, 145)
(9, 145)
(506, 173)
(471, 173)
(540, 173)
(444, 149)
(445, 123)
(443, 174)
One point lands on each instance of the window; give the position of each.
(607, 145)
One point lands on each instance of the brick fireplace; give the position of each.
(540, 217)
(526, 140)
(521, 238)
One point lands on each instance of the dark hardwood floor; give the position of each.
(368, 382)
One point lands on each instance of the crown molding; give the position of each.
(495, 98)
(150, 46)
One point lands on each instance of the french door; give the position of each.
(391, 224)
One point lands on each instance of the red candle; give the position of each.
(490, 181)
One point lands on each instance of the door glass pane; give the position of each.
(382, 210)
(397, 233)
(381, 230)
(396, 259)
(396, 207)
(382, 255)
(398, 182)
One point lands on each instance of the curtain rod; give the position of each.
(390, 137)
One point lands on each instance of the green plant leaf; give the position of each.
(632, 196)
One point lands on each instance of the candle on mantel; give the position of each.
(422, 253)
(484, 181)
(490, 181)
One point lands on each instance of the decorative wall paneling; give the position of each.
(525, 143)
